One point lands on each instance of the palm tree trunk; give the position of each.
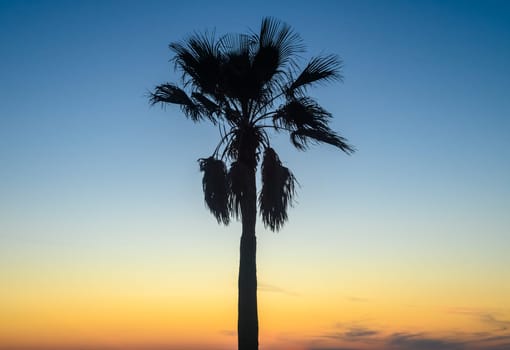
(247, 323)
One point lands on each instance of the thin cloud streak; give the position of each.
(228, 333)
(357, 299)
(486, 317)
(376, 339)
(353, 334)
(410, 341)
(265, 287)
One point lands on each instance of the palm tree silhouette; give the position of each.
(248, 84)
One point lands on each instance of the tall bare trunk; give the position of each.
(247, 324)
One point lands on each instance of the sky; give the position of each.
(105, 241)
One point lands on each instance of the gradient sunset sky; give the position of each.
(105, 241)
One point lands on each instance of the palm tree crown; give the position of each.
(248, 84)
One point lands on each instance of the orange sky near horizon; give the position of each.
(60, 310)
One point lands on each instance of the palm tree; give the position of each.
(247, 85)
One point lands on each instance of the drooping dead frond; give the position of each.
(278, 189)
(238, 182)
(215, 188)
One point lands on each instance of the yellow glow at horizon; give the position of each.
(129, 303)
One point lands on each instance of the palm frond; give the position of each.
(209, 107)
(308, 123)
(301, 112)
(236, 79)
(199, 59)
(278, 190)
(320, 69)
(231, 115)
(266, 64)
(277, 47)
(215, 186)
(236, 43)
(265, 99)
(303, 137)
(280, 36)
(169, 93)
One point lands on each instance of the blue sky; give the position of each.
(424, 101)
(88, 169)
